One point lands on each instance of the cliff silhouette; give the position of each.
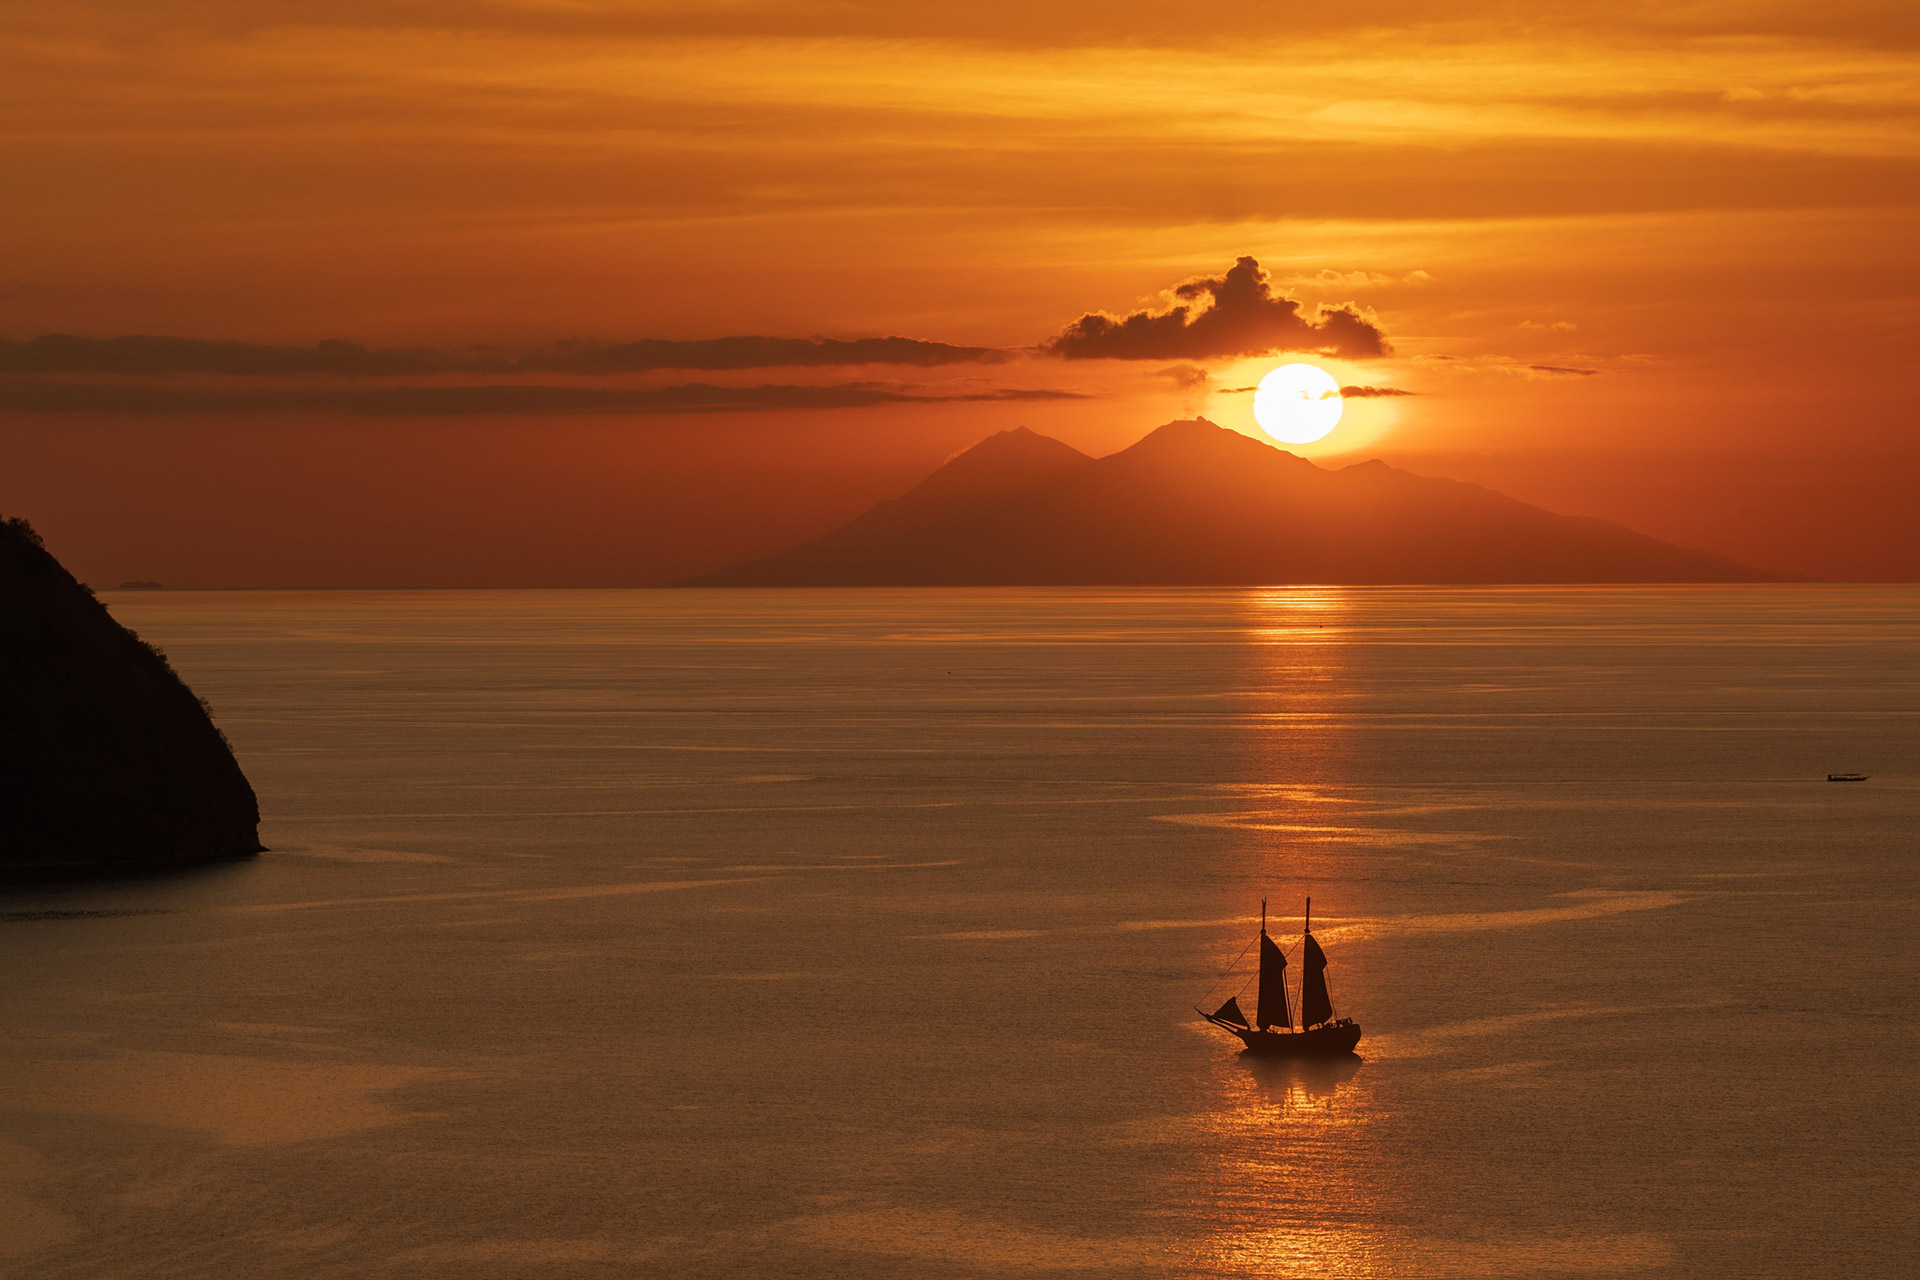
(110, 763)
(1194, 504)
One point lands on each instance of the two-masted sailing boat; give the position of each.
(1321, 1035)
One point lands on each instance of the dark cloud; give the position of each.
(150, 356)
(696, 397)
(1237, 314)
(1563, 371)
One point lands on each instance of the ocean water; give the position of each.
(859, 934)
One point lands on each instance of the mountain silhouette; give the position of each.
(1195, 504)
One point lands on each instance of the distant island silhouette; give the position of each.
(112, 765)
(1195, 504)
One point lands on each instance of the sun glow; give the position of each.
(1298, 403)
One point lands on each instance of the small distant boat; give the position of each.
(1321, 1034)
(1846, 777)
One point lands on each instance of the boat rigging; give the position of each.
(1320, 1033)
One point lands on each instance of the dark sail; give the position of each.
(1230, 1012)
(1273, 1007)
(1315, 1006)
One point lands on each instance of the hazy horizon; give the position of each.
(543, 560)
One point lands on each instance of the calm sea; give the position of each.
(858, 934)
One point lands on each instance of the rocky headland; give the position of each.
(108, 763)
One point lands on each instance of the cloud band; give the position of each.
(141, 355)
(696, 397)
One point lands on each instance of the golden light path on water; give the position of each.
(1291, 1177)
(1297, 1174)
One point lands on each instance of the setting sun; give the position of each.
(1298, 403)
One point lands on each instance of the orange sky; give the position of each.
(1655, 262)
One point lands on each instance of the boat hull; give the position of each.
(1335, 1041)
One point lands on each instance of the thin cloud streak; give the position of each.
(94, 397)
(1346, 393)
(753, 353)
(1014, 24)
(57, 353)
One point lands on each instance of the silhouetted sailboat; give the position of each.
(1321, 1035)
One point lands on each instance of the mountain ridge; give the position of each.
(1195, 504)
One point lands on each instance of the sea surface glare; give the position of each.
(859, 934)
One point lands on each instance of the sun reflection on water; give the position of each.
(1295, 1183)
(1295, 1190)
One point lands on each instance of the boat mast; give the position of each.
(1308, 947)
(1276, 1002)
(1284, 995)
